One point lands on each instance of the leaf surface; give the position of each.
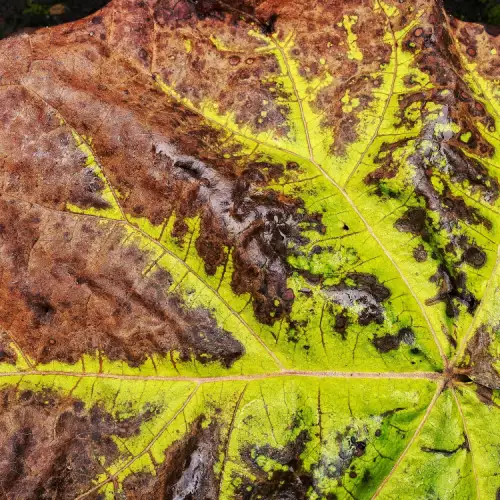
(249, 250)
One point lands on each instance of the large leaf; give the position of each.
(248, 250)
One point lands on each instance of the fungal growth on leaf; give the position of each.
(248, 250)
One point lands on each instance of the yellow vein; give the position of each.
(156, 242)
(466, 432)
(144, 451)
(233, 378)
(475, 319)
(412, 440)
(387, 102)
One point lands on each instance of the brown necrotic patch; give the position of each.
(41, 457)
(187, 471)
(7, 353)
(71, 286)
(192, 179)
(260, 227)
(387, 343)
(44, 166)
(289, 481)
(362, 291)
(450, 280)
(445, 164)
(168, 11)
(481, 358)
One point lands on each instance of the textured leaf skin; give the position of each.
(249, 250)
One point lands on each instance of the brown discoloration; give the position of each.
(420, 253)
(482, 360)
(449, 166)
(413, 221)
(7, 353)
(41, 457)
(187, 471)
(67, 302)
(167, 180)
(44, 166)
(293, 481)
(363, 291)
(389, 342)
(452, 291)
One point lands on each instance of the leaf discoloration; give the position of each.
(250, 249)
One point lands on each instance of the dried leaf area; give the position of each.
(248, 250)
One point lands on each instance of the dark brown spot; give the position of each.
(475, 257)
(391, 342)
(291, 481)
(420, 253)
(413, 221)
(99, 299)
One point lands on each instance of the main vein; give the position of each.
(233, 378)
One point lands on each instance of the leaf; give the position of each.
(249, 250)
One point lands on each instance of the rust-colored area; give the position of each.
(187, 471)
(69, 286)
(41, 457)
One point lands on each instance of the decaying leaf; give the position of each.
(248, 250)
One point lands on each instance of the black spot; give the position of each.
(413, 221)
(42, 309)
(475, 257)
(452, 290)
(341, 323)
(391, 342)
(269, 25)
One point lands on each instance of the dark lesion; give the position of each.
(188, 468)
(290, 476)
(291, 480)
(54, 446)
(86, 191)
(67, 302)
(480, 360)
(453, 164)
(7, 353)
(445, 452)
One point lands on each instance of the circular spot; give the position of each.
(471, 51)
(234, 60)
(378, 433)
(288, 295)
(475, 257)
(52, 341)
(250, 60)
(352, 474)
(418, 32)
(420, 253)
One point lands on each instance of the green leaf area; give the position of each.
(248, 250)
